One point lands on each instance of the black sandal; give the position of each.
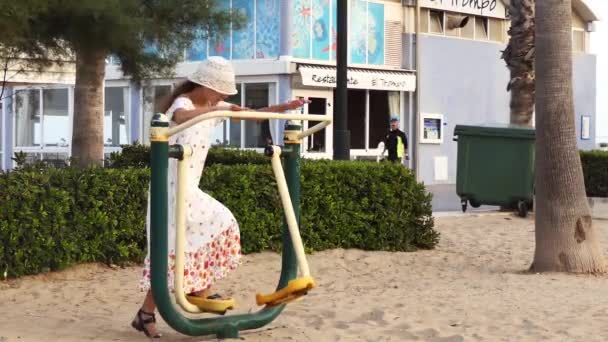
(139, 323)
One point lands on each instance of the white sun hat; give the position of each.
(216, 73)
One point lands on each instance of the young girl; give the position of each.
(213, 240)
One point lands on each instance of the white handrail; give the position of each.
(180, 233)
(290, 215)
(249, 115)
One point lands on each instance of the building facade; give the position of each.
(287, 49)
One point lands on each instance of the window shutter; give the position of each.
(393, 43)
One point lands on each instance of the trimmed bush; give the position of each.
(344, 205)
(594, 163)
(595, 169)
(138, 155)
(53, 218)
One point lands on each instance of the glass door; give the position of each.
(320, 144)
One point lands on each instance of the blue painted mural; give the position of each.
(358, 31)
(320, 29)
(219, 45)
(198, 50)
(334, 23)
(314, 34)
(259, 37)
(375, 33)
(243, 40)
(267, 28)
(302, 11)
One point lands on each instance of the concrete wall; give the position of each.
(585, 96)
(466, 81)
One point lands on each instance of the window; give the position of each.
(496, 30)
(316, 142)
(478, 28)
(451, 25)
(56, 120)
(249, 133)
(152, 95)
(356, 117)
(234, 135)
(424, 20)
(257, 134)
(481, 28)
(27, 117)
(369, 112)
(578, 40)
(116, 116)
(42, 118)
(436, 22)
(468, 31)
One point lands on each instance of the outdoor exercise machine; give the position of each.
(293, 255)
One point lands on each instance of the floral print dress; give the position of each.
(213, 240)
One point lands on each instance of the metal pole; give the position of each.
(341, 132)
(291, 165)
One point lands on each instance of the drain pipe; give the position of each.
(416, 130)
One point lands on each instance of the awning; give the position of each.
(325, 77)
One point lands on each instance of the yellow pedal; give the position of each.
(294, 290)
(215, 306)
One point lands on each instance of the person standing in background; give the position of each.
(395, 142)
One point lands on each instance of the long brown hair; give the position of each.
(185, 87)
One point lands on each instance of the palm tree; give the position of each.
(519, 57)
(566, 240)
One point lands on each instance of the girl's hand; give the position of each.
(295, 104)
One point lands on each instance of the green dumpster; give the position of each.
(495, 166)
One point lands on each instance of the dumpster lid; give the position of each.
(497, 130)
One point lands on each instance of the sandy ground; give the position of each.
(471, 288)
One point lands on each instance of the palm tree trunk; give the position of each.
(87, 138)
(519, 57)
(566, 240)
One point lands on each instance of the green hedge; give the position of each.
(139, 156)
(594, 163)
(51, 218)
(595, 169)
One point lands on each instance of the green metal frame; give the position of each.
(222, 327)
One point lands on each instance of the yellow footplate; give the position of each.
(216, 306)
(295, 289)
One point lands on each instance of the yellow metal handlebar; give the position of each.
(249, 115)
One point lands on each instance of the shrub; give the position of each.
(595, 170)
(52, 218)
(344, 205)
(138, 155)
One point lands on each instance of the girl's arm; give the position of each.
(281, 108)
(182, 115)
(291, 105)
